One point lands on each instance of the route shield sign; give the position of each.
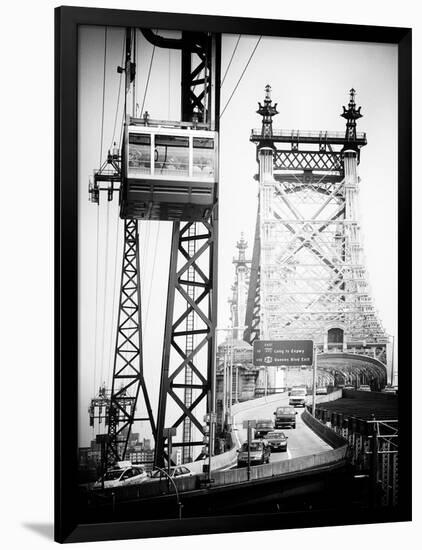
(282, 353)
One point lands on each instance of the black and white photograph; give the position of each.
(232, 350)
(237, 274)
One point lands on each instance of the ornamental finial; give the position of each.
(242, 245)
(267, 111)
(351, 114)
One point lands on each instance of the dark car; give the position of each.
(285, 417)
(262, 427)
(259, 453)
(277, 440)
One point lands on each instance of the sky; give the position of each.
(310, 80)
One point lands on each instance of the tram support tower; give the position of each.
(168, 170)
(310, 279)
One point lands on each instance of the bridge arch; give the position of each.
(335, 335)
(350, 368)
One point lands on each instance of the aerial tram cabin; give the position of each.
(169, 170)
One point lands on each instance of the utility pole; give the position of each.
(228, 385)
(314, 380)
(168, 433)
(374, 463)
(224, 389)
(249, 450)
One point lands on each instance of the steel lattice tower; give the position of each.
(310, 275)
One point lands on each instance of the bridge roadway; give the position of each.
(311, 471)
(302, 441)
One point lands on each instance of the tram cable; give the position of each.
(98, 216)
(118, 95)
(113, 309)
(147, 83)
(241, 76)
(107, 231)
(104, 88)
(230, 62)
(96, 298)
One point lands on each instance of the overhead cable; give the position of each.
(103, 101)
(230, 62)
(241, 76)
(147, 83)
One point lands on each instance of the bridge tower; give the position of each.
(168, 170)
(240, 288)
(309, 274)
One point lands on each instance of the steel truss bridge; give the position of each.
(307, 278)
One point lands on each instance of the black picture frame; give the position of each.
(67, 20)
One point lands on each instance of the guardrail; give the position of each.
(324, 432)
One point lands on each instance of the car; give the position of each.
(390, 389)
(321, 391)
(120, 477)
(277, 440)
(297, 396)
(175, 472)
(262, 427)
(349, 387)
(259, 453)
(285, 417)
(364, 387)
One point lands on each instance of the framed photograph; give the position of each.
(232, 274)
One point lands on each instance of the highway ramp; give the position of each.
(302, 440)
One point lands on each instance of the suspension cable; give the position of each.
(230, 62)
(104, 88)
(147, 83)
(241, 76)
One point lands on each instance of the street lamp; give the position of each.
(314, 380)
(392, 359)
(179, 504)
(228, 383)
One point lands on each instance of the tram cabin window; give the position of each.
(182, 154)
(139, 154)
(171, 155)
(203, 157)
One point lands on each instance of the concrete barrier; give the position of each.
(333, 396)
(324, 432)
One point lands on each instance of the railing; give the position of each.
(299, 135)
(169, 123)
(373, 451)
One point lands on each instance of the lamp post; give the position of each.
(314, 380)
(169, 433)
(228, 386)
(392, 360)
(179, 504)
